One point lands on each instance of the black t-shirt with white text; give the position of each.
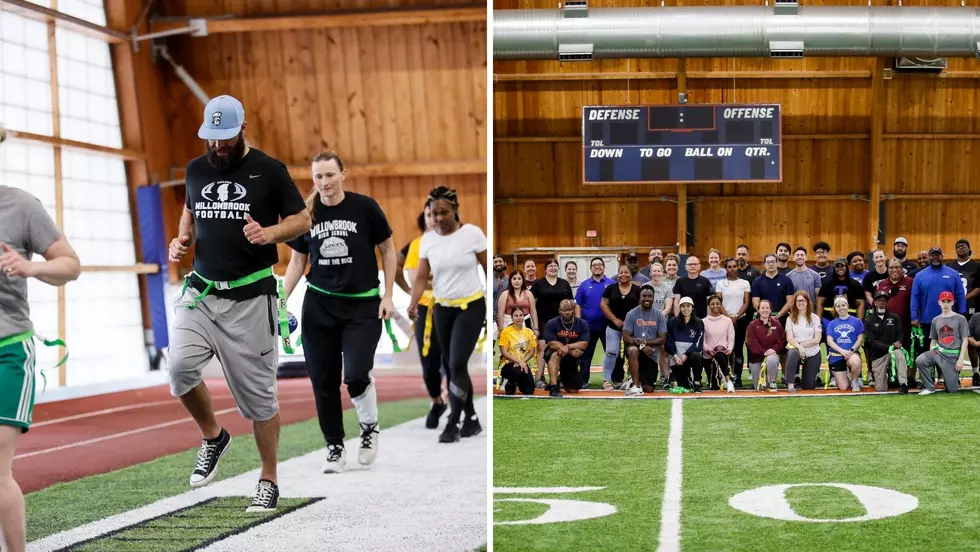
(341, 244)
(258, 186)
(969, 272)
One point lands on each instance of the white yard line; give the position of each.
(670, 512)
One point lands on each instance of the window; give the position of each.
(25, 74)
(86, 90)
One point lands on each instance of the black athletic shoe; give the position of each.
(555, 391)
(903, 389)
(471, 427)
(976, 379)
(266, 497)
(697, 387)
(797, 381)
(435, 412)
(450, 434)
(208, 457)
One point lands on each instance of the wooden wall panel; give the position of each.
(620, 224)
(762, 224)
(930, 136)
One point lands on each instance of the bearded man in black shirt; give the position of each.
(236, 196)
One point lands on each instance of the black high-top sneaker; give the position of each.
(450, 434)
(435, 412)
(208, 457)
(266, 497)
(471, 427)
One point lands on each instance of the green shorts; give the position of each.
(17, 383)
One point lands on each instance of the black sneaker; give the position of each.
(435, 412)
(555, 391)
(697, 387)
(450, 434)
(266, 497)
(976, 379)
(797, 381)
(208, 457)
(903, 389)
(471, 427)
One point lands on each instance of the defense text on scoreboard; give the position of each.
(682, 143)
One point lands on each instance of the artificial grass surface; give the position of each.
(925, 447)
(67, 505)
(620, 445)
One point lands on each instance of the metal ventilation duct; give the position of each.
(582, 33)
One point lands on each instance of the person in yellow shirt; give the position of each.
(430, 354)
(517, 347)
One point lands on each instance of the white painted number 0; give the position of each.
(770, 502)
(559, 510)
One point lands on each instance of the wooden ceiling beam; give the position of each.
(327, 20)
(127, 154)
(47, 15)
(407, 168)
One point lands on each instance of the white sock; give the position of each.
(367, 405)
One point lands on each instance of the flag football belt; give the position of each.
(950, 352)
(22, 337)
(461, 304)
(831, 309)
(361, 295)
(247, 280)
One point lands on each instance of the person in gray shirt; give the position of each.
(804, 278)
(26, 230)
(644, 331)
(949, 331)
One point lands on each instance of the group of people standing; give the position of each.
(716, 320)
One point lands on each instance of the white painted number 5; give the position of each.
(559, 510)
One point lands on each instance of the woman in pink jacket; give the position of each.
(719, 343)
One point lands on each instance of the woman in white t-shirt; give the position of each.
(734, 293)
(454, 253)
(803, 335)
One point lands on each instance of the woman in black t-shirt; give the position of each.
(342, 309)
(617, 301)
(548, 293)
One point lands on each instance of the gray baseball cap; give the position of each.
(223, 118)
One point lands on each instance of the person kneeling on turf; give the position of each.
(884, 333)
(567, 338)
(685, 338)
(517, 347)
(644, 330)
(948, 331)
(845, 334)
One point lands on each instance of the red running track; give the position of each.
(92, 435)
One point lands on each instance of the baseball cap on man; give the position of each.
(901, 240)
(936, 249)
(881, 294)
(946, 296)
(223, 118)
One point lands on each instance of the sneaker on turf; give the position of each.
(607, 385)
(555, 391)
(369, 444)
(438, 409)
(697, 387)
(540, 384)
(976, 379)
(773, 386)
(666, 385)
(791, 390)
(266, 497)
(903, 389)
(633, 391)
(208, 457)
(926, 391)
(730, 387)
(470, 427)
(336, 459)
(451, 433)
(855, 385)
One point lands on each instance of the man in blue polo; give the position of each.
(588, 299)
(775, 287)
(929, 283)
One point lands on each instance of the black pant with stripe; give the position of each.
(458, 330)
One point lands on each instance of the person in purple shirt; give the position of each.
(588, 301)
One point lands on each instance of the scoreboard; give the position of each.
(682, 143)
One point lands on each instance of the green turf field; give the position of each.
(923, 447)
(68, 505)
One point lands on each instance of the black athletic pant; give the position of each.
(339, 334)
(459, 331)
(738, 362)
(709, 368)
(434, 365)
(682, 372)
(517, 379)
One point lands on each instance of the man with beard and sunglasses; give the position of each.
(899, 250)
(236, 196)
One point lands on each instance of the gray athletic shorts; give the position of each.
(242, 334)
